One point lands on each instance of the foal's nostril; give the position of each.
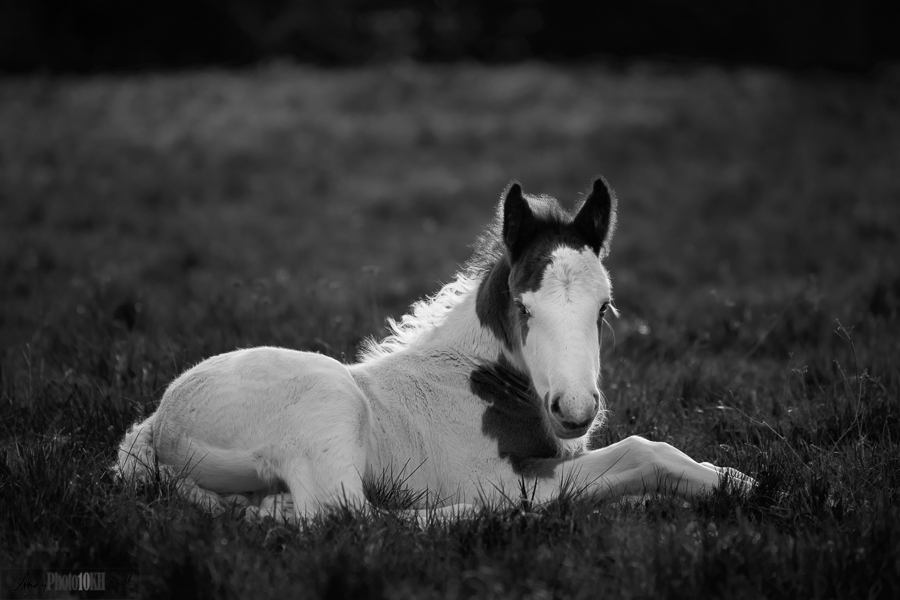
(565, 421)
(554, 406)
(596, 401)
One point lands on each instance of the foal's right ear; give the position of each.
(596, 220)
(518, 221)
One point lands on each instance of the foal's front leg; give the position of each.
(634, 467)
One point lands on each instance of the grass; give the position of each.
(148, 222)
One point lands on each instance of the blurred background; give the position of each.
(292, 172)
(180, 178)
(92, 35)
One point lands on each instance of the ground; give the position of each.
(150, 221)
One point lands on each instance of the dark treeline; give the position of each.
(98, 35)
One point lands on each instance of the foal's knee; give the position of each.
(647, 454)
(641, 445)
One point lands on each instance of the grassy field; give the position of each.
(148, 222)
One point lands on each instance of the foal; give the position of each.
(489, 387)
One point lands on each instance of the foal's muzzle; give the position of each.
(568, 423)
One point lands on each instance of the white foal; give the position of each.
(487, 388)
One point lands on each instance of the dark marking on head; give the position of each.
(493, 303)
(513, 414)
(512, 255)
(493, 243)
(528, 273)
(523, 326)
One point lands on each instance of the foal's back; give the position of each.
(242, 422)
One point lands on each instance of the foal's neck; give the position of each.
(465, 331)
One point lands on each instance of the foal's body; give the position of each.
(464, 400)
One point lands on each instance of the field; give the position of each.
(147, 222)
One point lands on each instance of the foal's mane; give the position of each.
(429, 312)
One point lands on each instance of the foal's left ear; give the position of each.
(519, 223)
(596, 220)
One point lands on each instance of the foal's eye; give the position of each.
(604, 308)
(522, 309)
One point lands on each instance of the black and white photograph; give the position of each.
(448, 299)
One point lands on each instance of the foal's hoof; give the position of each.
(739, 481)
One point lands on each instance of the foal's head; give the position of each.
(559, 293)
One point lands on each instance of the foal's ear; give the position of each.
(518, 221)
(596, 220)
